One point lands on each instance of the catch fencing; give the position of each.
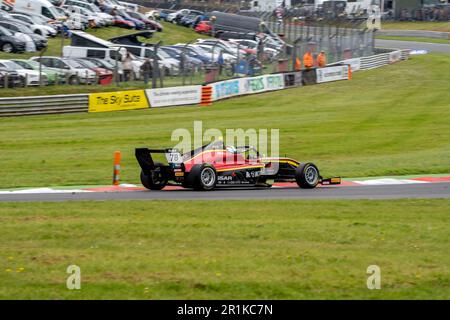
(339, 40)
(220, 89)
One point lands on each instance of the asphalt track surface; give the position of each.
(431, 47)
(406, 191)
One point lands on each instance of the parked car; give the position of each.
(31, 76)
(176, 53)
(195, 52)
(151, 24)
(40, 29)
(214, 53)
(74, 71)
(101, 63)
(161, 15)
(91, 9)
(228, 47)
(122, 23)
(53, 76)
(39, 41)
(9, 43)
(104, 76)
(139, 25)
(87, 14)
(14, 80)
(184, 12)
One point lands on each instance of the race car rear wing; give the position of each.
(145, 160)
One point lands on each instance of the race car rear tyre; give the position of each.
(203, 177)
(153, 182)
(307, 176)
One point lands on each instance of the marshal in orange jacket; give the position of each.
(308, 60)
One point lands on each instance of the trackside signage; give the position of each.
(235, 87)
(175, 96)
(262, 83)
(225, 89)
(115, 101)
(332, 74)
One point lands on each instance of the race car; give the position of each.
(216, 166)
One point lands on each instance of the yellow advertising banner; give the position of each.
(115, 101)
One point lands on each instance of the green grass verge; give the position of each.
(430, 26)
(388, 121)
(217, 250)
(416, 39)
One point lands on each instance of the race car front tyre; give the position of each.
(307, 176)
(203, 177)
(156, 181)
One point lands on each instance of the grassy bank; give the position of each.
(417, 25)
(156, 249)
(388, 121)
(416, 39)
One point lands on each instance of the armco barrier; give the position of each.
(18, 106)
(382, 59)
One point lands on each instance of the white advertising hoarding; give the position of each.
(332, 74)
(174, 96)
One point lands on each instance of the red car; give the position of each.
(104, 76)
(122, 23)
(214, 165)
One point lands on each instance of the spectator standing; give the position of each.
(146, 70)
(127, 66)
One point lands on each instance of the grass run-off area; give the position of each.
(415, 39)
(217, 250)
(417, 25)
(388, 121)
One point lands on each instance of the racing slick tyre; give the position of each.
(203, 177)
(307, 176)
(152, 182)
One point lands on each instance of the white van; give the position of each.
(85, 45)
(133, 7)
(41, 7)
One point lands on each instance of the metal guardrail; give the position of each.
(381, 59)
(375, 61)
(15, 106)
